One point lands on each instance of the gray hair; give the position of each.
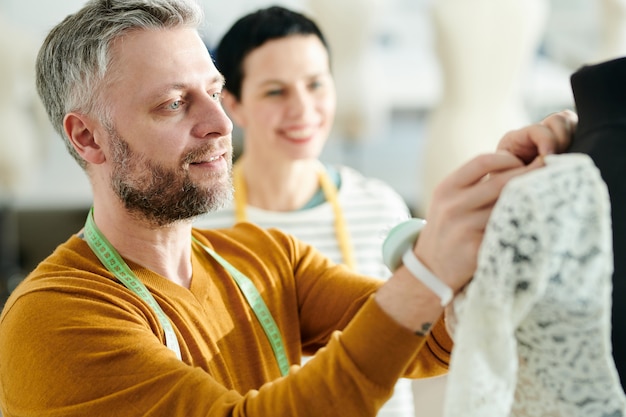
(75, 56)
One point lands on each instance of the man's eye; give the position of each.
(217, 96)
(175, 105)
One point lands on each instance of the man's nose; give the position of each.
(212, 119)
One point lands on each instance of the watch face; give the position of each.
(399, 239)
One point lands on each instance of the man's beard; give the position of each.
(162, 195)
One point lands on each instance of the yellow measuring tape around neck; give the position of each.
(330, 193)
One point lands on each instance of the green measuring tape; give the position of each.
(112, 260)
(258, 306)
(116, 265)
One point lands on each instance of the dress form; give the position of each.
(612, 29)
(485, 48)
(361, 108)
(601, 133)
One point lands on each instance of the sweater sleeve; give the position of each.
(352, 376)
(331, 295)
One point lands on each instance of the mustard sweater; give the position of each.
(76, 342)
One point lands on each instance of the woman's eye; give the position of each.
(274, 92)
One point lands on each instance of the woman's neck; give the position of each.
(279, 187)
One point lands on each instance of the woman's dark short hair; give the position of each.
(252, 31)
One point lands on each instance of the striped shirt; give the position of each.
(370, 208)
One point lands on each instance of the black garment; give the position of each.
(600, 97)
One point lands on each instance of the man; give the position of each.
(141, 315)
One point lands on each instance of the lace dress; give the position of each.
(532, 329)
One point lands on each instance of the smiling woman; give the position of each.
(280, 91)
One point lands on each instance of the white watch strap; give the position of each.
(429, 279)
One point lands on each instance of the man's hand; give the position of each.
(462, 203)
(552, 135)
(460, 208)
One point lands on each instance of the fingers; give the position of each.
(483, 177)
(528, 142)
(459, 212)
(463, 202)
(562, 125)
(478, 183)
(482, 194)
(488, 191)
(474, 171)
(552, 135)
(457, 193)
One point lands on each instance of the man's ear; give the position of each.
(232, 107)
(80, 129)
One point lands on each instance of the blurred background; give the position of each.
(423, 85)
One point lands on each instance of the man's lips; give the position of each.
(207, 159)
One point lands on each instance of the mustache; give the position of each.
(201, 153)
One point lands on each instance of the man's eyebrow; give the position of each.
(218, 79)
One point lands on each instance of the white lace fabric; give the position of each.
(532, 329)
